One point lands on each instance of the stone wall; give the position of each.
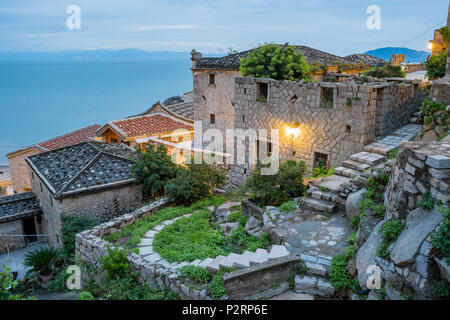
(102, 205)
(8, 244)
(214, 99)
(396, 104)
(19, 170)
(420, 167)
(90, 246)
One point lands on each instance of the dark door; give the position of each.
(29, 229)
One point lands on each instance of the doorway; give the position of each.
(320, 160)
(29, 230)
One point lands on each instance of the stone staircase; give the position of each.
(315, 281)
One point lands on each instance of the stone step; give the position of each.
(355, 165)
(243, 260)
(417, 114)
(331, 183)
(278, 251)
(379, 148)
(346, 172)
(313, 285)
(316, 269)
(205, 262)
(413, 120)
(367, 158)
(319, 205)
(319, 194)
(259, 256)
(228, 261)
(214, 265)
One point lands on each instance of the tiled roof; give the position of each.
(74, 137)
(312, 56)
(18, 206)
(366, 59)
(83, 167)
(148, 125)
(183, 109)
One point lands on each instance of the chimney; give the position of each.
(195, 57)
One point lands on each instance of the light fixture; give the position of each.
(430, 45)
(294, 130)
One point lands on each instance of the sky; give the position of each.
(211, 26)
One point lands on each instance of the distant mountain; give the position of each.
(411, 55)
(100, 54)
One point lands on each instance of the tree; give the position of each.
(153, 168)
(388, 71)
(436, 66)
(276, 62)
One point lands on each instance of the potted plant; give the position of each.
(41, 261)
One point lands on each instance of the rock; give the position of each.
(229, 227)
(429, 136)
(444, 268)
(305, 284)
(438, 161)
(419, 224)
(351, 266)
(366, 226)
(325, 287)
(374, 295)
(352, 204)
(253, 227)
(393, 294)
(367, 253)
(278, 251)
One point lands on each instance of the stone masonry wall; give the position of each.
(90, 246)
(8, 244)
(214, 99)
(337, 132)
(396, 104)
(19, 170)
(420, 167)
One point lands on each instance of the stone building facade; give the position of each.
(335, 120)
(91, 178)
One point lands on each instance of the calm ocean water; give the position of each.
(40, 99)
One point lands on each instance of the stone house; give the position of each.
(89, 178)
(214, 82)
(19, 168)
(20, 215)
(335, 120)
(157, 122)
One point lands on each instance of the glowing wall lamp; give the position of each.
(294, 130)
(430, 45)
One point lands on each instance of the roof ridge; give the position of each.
(67, 134)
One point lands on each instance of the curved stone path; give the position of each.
(233, 260)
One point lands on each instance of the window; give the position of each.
(327, 97)
(40, 185)
(212, 79)
(51, 201)
(320, 160)
(32, 175)
(212, 118)
(268, 146)
(245, 91)
(262, 92)
(113, 140)
(243, 118)
(348, 129)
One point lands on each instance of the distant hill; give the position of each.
(411, 55)
(100, 54)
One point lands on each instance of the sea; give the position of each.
(40, 100)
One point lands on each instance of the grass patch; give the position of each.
(288, 206)
(137, 230)
(339, 275)
(198, 274)
(390, 232)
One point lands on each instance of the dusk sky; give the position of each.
(336, 26)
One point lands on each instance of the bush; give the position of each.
(286, 184)
(194, 182)
(71, 225)
(115, 263)
(41, 260)
(59, 283)
(237, 217)
(436, 66)
(7, 284)
(153, 168)
(339, 275)
(427, 201)
(288, 206)
(198, 274)
(276, 62)
(388, 71)
(390, 231)
(85, 296)
(441, 238)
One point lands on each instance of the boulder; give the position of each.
(374, 295)
(367, 253)
(420, 224)
(352, 204)
(366, 225)
(444, 268)
(229, 227)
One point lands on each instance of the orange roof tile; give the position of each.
(149, 124)
(81, 135)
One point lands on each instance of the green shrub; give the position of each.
(41, 260)
(217, 287)
(319, 171)
(382, 250)
(379, 210)
(194, 182)
(388, 71)
(288, 206)
(365, 204)
(71, 225)
(391, 230)
(115, 263)
(198, 274)
(428, 201)
(393, 153)
(443, 290)
(59, 283)
(153, 169)
(441, 238)
(339, 275)
(7, 284)
(354, 223)
(351, 240)
(436, 66)
(276, 62)
(286, 184)
(85, 296)
(237, 217)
